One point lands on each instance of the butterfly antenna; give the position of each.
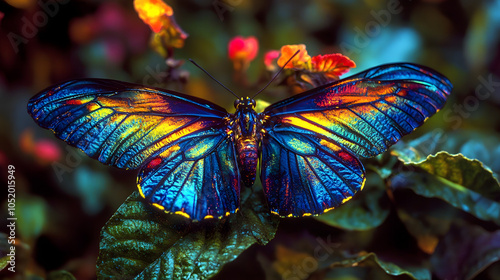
(206, 72)
(276, 75)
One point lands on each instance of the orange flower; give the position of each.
(242, 51)
(333, 65)
(301, 60)
(160, 18)
(152, 12)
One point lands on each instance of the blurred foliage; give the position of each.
(430, 208)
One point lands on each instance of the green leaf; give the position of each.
(459, 196)
(462, 173)
(371, 260)
(464, 183)
(466, 251)
(473, 144)
(368, 209)
(4, 261)
(140, 242)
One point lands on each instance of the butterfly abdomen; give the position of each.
(245, 125)
(247, 151)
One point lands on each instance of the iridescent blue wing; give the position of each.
(306, 174)
(312, 140)
(196, 178)
(168, 134)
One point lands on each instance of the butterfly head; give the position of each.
(244, 103)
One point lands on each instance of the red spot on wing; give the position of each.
(74, 102)
(267, 182)
(235, 184)
(328, 100)
(347, 157)
(154, 163)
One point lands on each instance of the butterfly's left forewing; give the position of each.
(179, 142)
(312, 140)
(118, 123)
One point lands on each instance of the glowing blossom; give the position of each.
(330, 65)
(160, 18)
(242, 51)
(299, 61)
(333, 65)
(243, 48)
(152, 12)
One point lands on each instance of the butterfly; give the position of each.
(193, 156)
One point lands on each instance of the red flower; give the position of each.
(315, 71)
(270, 59)
(333, 65)
(242, 51)
(47, 150)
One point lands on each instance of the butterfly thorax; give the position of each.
(246, 125)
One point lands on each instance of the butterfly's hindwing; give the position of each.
(197, 181)
(304, 175)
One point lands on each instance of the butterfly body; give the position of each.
(247, 128)
(193, 156)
